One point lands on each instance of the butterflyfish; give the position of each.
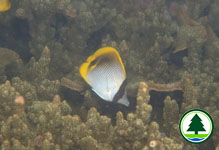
(105, 73)
(4, 5)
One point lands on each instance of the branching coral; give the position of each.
(55, 128)
(171, 117)
(38, 70)
(148, 35)
(7, 98)
(25, 89)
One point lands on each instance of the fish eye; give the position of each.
(92, 63)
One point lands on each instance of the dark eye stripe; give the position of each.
(92, 63)
(102, 61)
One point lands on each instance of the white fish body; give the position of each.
(105, 73)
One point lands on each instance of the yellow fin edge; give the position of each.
(99, 52)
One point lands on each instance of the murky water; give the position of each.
(170, 53)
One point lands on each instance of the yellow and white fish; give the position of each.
(4, 5)
(105, 73)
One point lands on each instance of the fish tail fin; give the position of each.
(124, 100)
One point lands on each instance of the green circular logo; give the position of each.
(196, 126)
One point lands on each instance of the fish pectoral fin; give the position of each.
(102, 95)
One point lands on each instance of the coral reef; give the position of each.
(166, 46)
(171, 117)
(50, 125)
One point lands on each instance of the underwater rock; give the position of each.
(7, 57)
